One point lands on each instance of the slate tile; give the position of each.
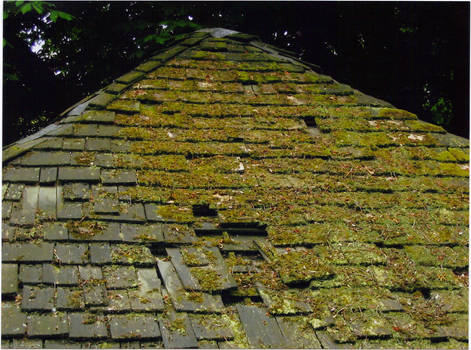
(101, 345)
(148, 297)
(27, 252)
(9, 279)
(85, 325)
(31, 274)
(151, 212)
(207, 344)
(142, 233)
(131, 254)
(100, 253)
(25, 216)
(136, 326)
(109, 131)
(148, 66)
(98, 116)
(61, 344)
(118, 177)
(48, 325)
(14, 192)
(128, 213)
(73, 144)
(186, 278)
(90, 273)
(96, 231)
(53, 143)
(177, 331)
(76, 191)
(105, 199)
(25, 175)
(69, 299)
(215, 327)
(130, 77)
(6, 209)
(86, 174)
(95, 295)
(183, 300)
(55, 231)
(118, 301)
(13, 320)
(47, 202)
(6, 344)
(37, 298)
(147, 344)
(71, 253)
(262, 331)
(38, 158)
(101, 100)
(85, 130)
(120, 276)
(8, 232)
(115, 88)
(27, 343)
(67, 211)
(48, 175)
(97, 144)
(298, 332)
(60, 275)
(64, 130)
(178, 234)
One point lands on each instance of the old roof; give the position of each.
(224, 194)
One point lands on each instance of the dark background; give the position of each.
(414, 55)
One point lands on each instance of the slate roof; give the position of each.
(224, 194)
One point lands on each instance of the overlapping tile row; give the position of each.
(220, 196)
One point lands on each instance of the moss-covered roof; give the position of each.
(224, 194)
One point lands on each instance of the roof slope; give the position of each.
(223, 194)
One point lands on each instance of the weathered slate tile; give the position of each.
(298, 332)
(183, 300)
(6, 209)
(76, 191)
(148, 66)
(9, 278)
(148, 344)
(45, 159)
(100, 253)
(115, 88)
(262, 331)
(14, 192)
(108, 131)
(130, 77)
(31, 274)
(55, 231)
(8, 232)
(131, 254)
(48, 325)
(118, 301)
(98, 116)
(50, 143)
(177, 331)
(136, 326)
(25, 216)
(90, 273)
(69, 211)
(104, 160)
(60, 275)
(151, 212)
(71, 253)
(118, 177)
(97, 144)
(86, 174)
(61, 344)
(37, 298)
(105, 200)
(120, 276)
(95, 295)
(101, 100)
(207, 344)
(69, 299)
(27, 343)
(47, 202)
(27, 252)
(178, 234)
(73, 144)
(217, 327)
(148, 297)
(85, 325)
(13, 320)
(26, 175)
(285, 302)
(48, 175)
(188, 281)
(142, 233)
(96, 231)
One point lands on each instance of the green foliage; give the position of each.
(442, 111)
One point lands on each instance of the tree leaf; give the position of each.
(26, 8)
(37, 6)
(54, 16)
(65, 15)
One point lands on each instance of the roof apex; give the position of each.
(218, 32)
